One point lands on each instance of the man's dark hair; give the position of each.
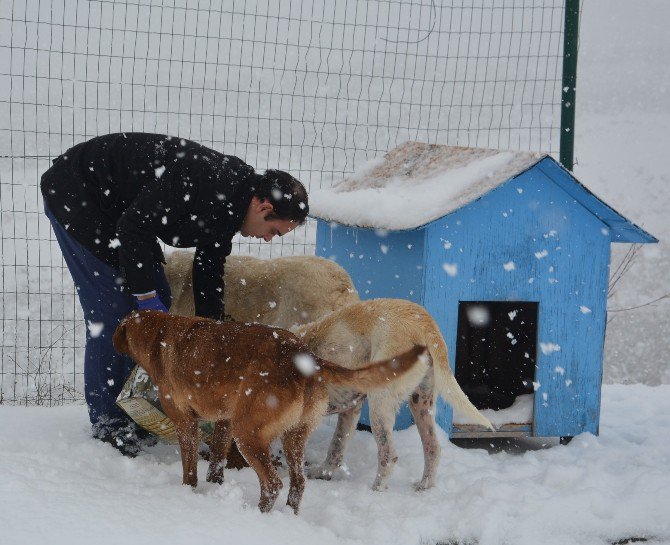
(287, 195)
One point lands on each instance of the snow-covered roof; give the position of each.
(415, 184)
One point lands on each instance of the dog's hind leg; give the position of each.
(257, 453)
(383, 418)
(346, 425)
(293, 442)
(422, 406)
(221, 440)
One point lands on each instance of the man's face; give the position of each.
(256, 225)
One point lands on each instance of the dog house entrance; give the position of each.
(496, 351)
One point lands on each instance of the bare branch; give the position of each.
(642, 305)
(625, 265)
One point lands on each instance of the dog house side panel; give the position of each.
(528, 240)
(381, 264)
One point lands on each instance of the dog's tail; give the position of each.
(446, 384)
(375, 374)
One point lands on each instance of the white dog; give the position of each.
(282, 292)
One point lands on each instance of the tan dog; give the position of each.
(283, 292)
(376, 329)
(256, 382)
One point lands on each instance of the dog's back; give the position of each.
(378, 328)
(212, 368)
(370, 330)
(283, 291)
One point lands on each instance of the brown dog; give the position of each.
(256, 382)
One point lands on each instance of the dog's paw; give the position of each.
(423, 484)
(215, 473)
(379, 487)
(216, 479)
(322, 472)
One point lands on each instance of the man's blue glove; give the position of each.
(152, 303)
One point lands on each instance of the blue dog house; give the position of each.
(509, 253)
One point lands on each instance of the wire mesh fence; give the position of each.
(315, 87)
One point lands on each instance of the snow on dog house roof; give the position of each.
(417, 183)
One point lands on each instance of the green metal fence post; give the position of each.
(570, 42)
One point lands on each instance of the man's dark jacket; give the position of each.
(116, 194)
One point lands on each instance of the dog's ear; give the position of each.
(120, 340)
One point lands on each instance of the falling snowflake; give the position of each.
(95, 329)
(549, 348)
(305, 364)
(478, 315)
(450, 268)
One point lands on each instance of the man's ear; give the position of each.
(264, 205)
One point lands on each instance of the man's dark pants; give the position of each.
(105, 302)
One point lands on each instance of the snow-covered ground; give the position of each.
(58, 486)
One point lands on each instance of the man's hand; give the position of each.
(151, 303)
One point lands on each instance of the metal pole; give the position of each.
(570, 42)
